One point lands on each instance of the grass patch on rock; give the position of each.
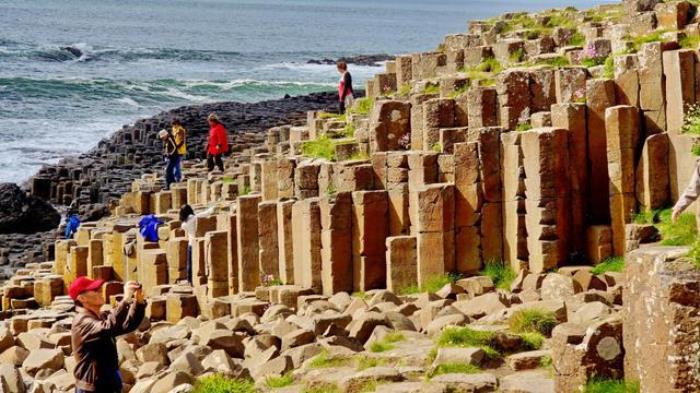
(533, 320)
(467, 337)
(321, 147)
(432, 285)
(454, 368)
(610, 386)
(321, 388)
(363, 106)
(683, 232)
(532, 341)
(279, 382)
(221, 384)
(364, 362)
(613, 264)
(431, 88)
(387, 342)
(501, 274)
(325, 360)
(337, 116)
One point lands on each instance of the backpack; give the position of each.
(72, 225)
(148, 227)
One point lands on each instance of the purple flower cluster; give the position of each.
(405, 141)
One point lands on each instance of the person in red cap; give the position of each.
(93, 333)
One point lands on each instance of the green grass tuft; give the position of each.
(694, 254)
(431, 88)
(610, 386)
(681, 233)
(221, 384)
(578, 39)
(556, 62)
(321, 388)
(689, 42)
(532, 341)
(321, 147)
(324, 360)
(609, 68)
(349, 130)
(460, 91)
(380, 346)
(337, 116)
(517, 56)
(363, 106)
(533, 320)
(365, 362)
(279, 382)
(454, 368)
(467, 337)
(431, 285)
(523, 126)
(614, 264)
(405, 90)
(696, 149)
(245, 191)
(656, 36)
(500, 272)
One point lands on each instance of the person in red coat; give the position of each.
(218, 143)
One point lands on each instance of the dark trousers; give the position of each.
(213, 159)
(177, 173)
(113, 386)
(170, 170)
(189, 264)
(341, 106)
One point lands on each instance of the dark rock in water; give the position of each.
(73, 50)
(366, 60)
(22, 213)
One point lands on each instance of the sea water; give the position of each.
(135, 58)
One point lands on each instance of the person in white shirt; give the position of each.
(189, 225)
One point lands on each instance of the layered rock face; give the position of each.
(514, 145)
(22, 213)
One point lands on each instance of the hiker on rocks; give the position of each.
(180, 134)
(72, 220)
(189, 225)
(690, 194)
(94, 332)
(345, 96)
(172, 157)
(218, 143)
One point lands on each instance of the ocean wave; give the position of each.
(151, 92)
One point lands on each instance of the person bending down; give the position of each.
(218, 143)
(93, 333)
(690, 194)
(189, 224)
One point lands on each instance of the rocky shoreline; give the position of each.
(97, 178)
(364, 60)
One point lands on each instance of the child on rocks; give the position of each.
(189, 224)
(172, 157)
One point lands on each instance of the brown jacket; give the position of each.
(94, 345)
